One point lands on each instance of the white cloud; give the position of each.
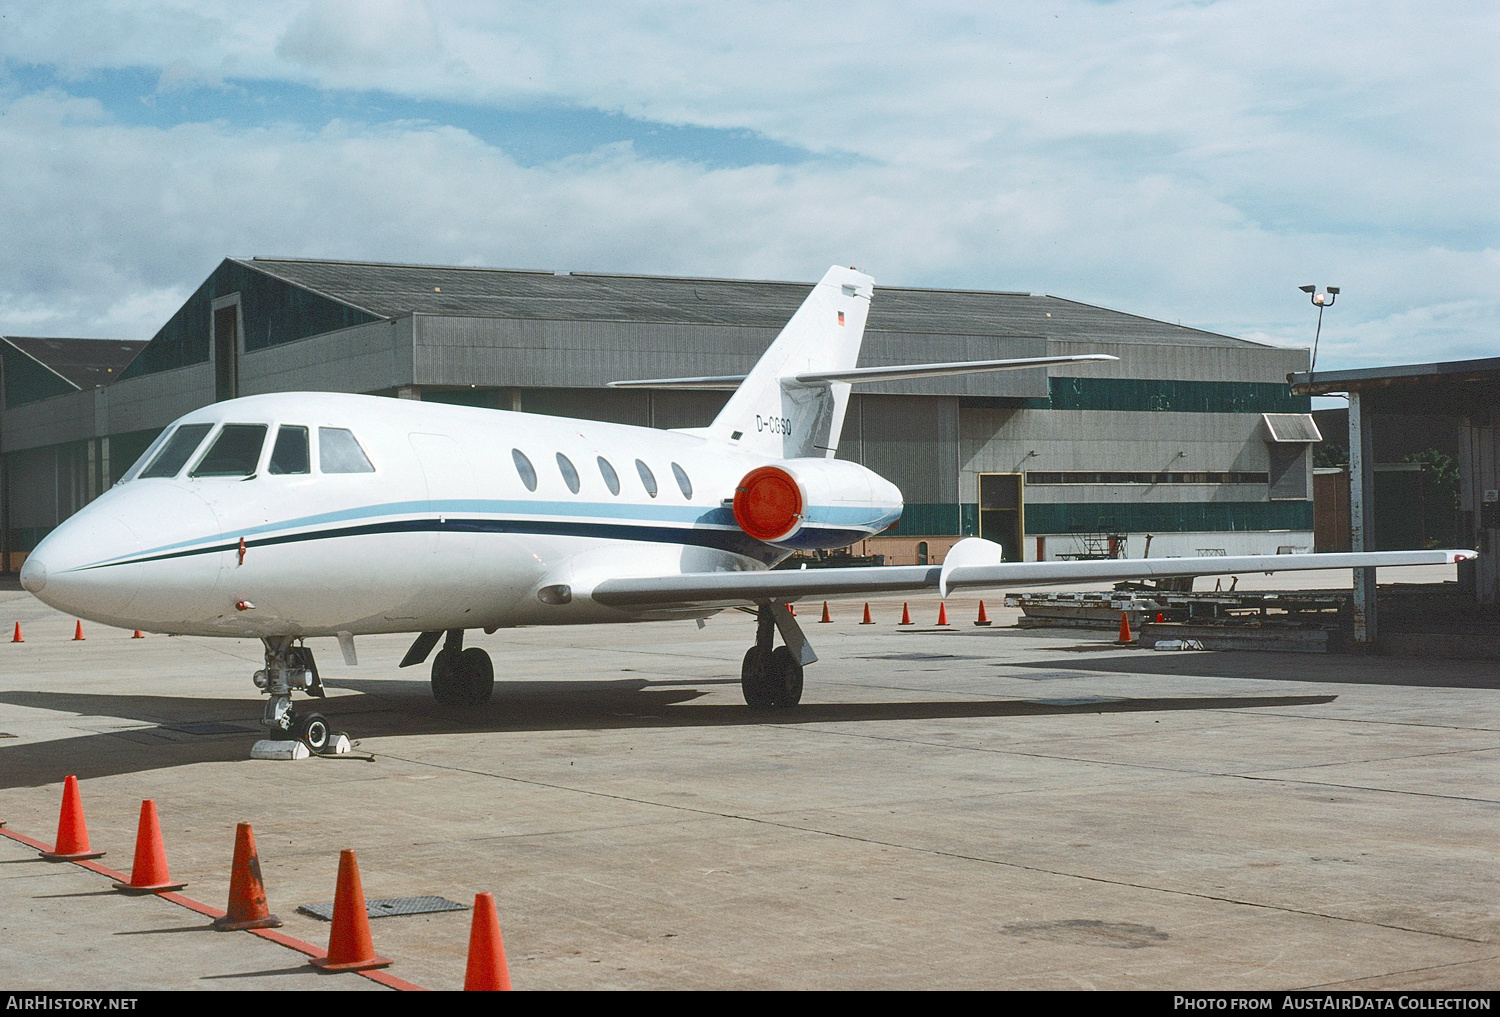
(1186, 161)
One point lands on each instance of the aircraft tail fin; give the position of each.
(772, 412)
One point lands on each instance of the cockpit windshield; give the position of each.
(234, 453)
(339, 452)
(177, 451)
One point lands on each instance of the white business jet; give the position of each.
(306, 514)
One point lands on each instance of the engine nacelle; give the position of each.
(805, 504)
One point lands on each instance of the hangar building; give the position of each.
(1192, 438)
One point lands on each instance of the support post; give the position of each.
(1362, 518)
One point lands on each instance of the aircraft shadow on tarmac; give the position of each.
(1332, 668)
(395, 709)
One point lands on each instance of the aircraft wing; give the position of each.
(973, 564)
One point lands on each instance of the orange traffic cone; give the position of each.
(349, 944)
(149, 873)
(17, 637)
(247, 893)
(487, 971)
(826, 616)
(942, 613)
(78, 632)
(905, 615)
(1125, 636)
(868, 620)
(983, 618)
(137, 635)
(72, 831)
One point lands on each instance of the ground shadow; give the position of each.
(396, 708)
(1342, 669)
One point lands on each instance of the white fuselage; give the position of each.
(444, 533)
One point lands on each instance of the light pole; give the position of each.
(1321, 300)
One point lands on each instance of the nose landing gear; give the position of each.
(292, 668)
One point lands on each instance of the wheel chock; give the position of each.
(268, 748)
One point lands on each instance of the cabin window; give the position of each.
(289, 454)
(569, 472)
(611, 478)
(683, 481)
(178, 450)
(648, 479)
(339, 452)
(524, 468)
(234, 453)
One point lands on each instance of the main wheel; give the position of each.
(476, 677)
(313, 730)
(754, 682)
(447, 685)
(784, 678)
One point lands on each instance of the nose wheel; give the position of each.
(313, 730)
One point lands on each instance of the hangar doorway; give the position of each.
(226, 323)
(1001, 512)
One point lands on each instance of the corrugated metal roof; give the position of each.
(83, 362)
(395, 290)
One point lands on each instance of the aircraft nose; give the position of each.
(33, 574)
(73, 569)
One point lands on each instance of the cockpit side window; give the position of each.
(289, 454)
(177, 451)
(234, 453)
(339, 452)
(146, 456)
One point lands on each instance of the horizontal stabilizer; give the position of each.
(855, 375)
(721, 382)
(902, 372)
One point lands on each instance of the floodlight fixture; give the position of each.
(1320, 301)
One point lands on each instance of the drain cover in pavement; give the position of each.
(209, 727)
(920, 656)
(391, 907)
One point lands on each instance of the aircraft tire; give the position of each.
(476, 674)
(314, 731)
(447, 688)
(784, 677)
(754, 681)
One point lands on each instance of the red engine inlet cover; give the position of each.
(767, 503)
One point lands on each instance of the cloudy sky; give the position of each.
(1194, 162)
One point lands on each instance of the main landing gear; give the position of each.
(460, 677)
(773, 677)
(292, 668)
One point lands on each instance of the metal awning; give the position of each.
(1284, 428)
